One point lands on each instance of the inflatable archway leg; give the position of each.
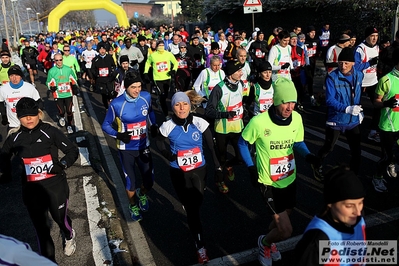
(75, 5)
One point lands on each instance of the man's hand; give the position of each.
(134, 62)
(154, 130)
(391, 102)
(125, 136)
(53, 88)
(373, 61)
(4, 120)
(286, 65)
(253, 172)
(354, 110)
(171, 73)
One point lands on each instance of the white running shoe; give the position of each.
(69, 129)
(391, 170)
(264, 257)
(61, 121)
(275, 253)
(70, 245)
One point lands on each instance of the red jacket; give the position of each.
(45, 58)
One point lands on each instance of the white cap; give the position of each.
(256, 29)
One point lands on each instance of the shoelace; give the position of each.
(202, 253)
(143, 199)
(273, 248)
(135, 210)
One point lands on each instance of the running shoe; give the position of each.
(374, 136)
(391, 170)
(379, 184)
(202, 256)
(230, 173)
(313, 101)
(69, 129)
(61, 122)
(264, 257)
(275, 253)
(318, 173)
(91, 88)
(143, 201)
(135, 213)
(70, 245)
(222, 187)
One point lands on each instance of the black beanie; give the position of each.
(123, 58)
(15, 69)
(346, 55)
(370, 30)
(27, 107)
(342, 184)
(265, 65)
(131, 77)
(214, 45)
(141, 38)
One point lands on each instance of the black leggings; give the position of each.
(189, 187)
(182, 79)
(222, 140)
(163, 86)
(388, 140)
(48, 195)
(375, 116)
(65, 105)
(353, 138)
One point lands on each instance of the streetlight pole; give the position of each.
(37, 19)
(27, 12)
(15, 24)
(19, 19)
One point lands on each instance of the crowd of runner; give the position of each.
(225, 87)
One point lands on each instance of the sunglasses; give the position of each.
(58, 60)
(66, 50)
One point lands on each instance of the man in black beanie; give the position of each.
(119, 75)
(344, 112)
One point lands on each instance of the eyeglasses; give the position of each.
(183, 47)
(58, 60)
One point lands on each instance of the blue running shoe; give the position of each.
(143, 201)
(135, 213)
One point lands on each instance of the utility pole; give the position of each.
(27, 12)
(3, 7)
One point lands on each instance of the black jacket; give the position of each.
(100, 66)
(44, 139)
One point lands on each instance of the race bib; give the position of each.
(245, 88)
(189, 159)
(4, 82)
(64, 87)
(103, 71)
(371, 69)
(259, 53)
(183, 64)
(283, 71)
(162, 66)
(324, 43)
(264, 104)
(311, 52)
(139, 130)
(37, 169)
(282, 167)
(13, 103)
(238, 109)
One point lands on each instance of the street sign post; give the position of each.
(251, 7)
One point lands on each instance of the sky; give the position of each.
(103, 15)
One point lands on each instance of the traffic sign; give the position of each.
(252, 9)
(136, 14)
(252, 3)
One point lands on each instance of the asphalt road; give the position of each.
(232, 222)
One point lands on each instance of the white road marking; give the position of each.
(101, 251)
(137, 236)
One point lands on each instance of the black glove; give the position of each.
(253, 172)
(169, 156)
(113, 94)
(146, 78)
(79, 75)
(75, 89)
(4, 120)
(125, 136)
(57, 168)
(171, 73)
(154, 130)
(228, 114)
(286, 65)
(53, 88)
(373, 61)
(133, 62)
(391, 102)
(313, 160)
